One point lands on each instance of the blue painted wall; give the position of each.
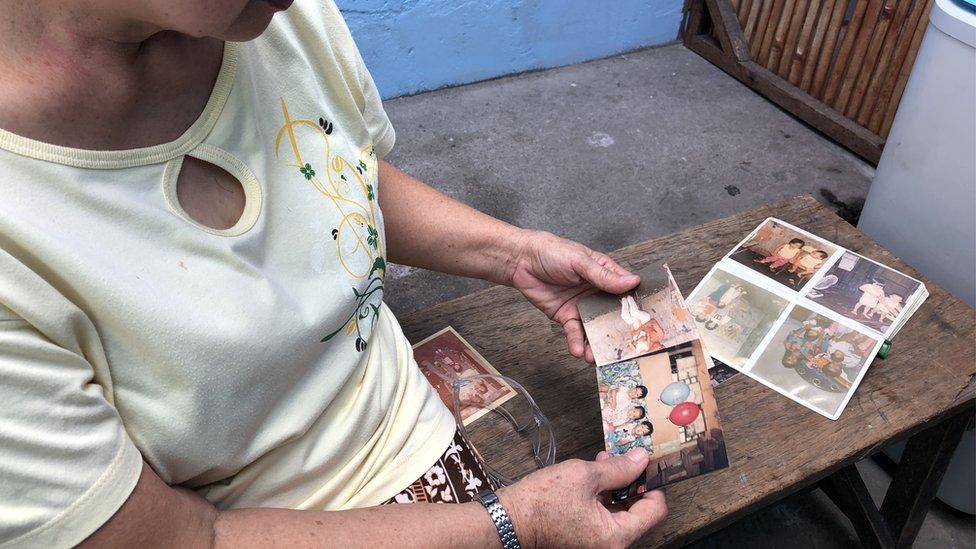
(416, 45)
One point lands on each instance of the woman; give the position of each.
(193, 344)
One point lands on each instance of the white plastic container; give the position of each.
(922, 203)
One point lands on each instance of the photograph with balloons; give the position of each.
(662, 401)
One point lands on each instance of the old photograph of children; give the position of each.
(446, 356)
(733, 315)
(783, 253)
(649, 318)
(864, 291)
(663, 402)
(815, 360)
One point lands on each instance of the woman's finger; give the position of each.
(602, 455)
(574, 337)
(588, 354)
(642, 515)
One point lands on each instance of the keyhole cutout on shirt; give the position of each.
(209, 194)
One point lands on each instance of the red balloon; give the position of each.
(684, 413)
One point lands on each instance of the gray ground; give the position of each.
(620, 150)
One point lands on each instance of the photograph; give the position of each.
(815, 360)
(864, 291)
(783, 254)
(649, 318)
(663, 402)
(446, 356)
(733, 316)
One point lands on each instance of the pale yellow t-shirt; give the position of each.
(257, 365)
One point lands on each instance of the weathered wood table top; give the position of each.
(776, 446)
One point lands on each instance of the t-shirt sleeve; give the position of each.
(66, 463)
(369, 101)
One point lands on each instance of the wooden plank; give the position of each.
(895, 33)
(932, 355)
(770, 32)
(844, 54)
(816, 47)
(779, 38)
(762, 26)
(916, 17)
(857, 59)
(695, 12)
(742, 9)
(802, 51)
(905, 72)
(749, 28)
(826, 58)
(727, 29)
(870, 64)
(812, 111)
(792, 37)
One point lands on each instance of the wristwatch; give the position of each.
(506, 532)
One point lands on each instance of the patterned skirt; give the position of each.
(455, 477)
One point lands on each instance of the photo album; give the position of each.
(446, 356)
(653, 381)
(801, 315)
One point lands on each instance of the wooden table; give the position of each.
(923, 390)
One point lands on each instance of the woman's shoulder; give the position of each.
(318, 29)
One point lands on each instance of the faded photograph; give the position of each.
(733, 316)
(864, 291)
(783, 254)
(446, 356)
(690, 442)
(648, 319)
(663, 402)
(814, 359)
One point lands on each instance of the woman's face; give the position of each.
(236, 20)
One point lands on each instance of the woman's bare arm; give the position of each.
(156, 515)
(427, 229)
(555, 507)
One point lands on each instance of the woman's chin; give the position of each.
(254, 20)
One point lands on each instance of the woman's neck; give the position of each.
(74, 76)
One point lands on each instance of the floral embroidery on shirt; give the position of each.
(349, 186)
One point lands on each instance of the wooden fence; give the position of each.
(841, 65)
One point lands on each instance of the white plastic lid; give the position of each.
(954, 20)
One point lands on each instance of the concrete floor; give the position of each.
(620, 150)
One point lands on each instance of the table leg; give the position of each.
(913, 487)
(847, 490)
(918, 476)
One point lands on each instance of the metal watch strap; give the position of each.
(506, 532)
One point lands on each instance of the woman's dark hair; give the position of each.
(797, 241)
(643, 390)
(643, 411)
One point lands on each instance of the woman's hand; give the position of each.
(566, 505)
(553, 273)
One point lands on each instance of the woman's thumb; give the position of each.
(619, 471)
(608, 280)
